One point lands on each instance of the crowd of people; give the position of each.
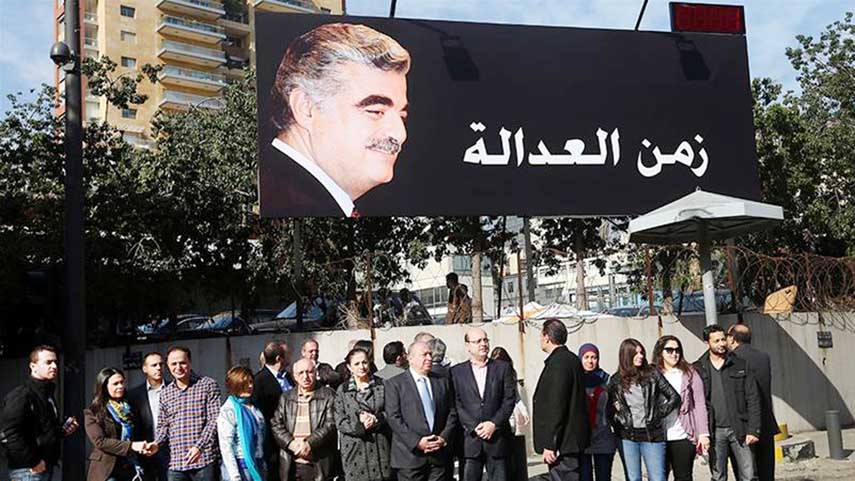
(413, 419)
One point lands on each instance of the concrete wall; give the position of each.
(807, 380)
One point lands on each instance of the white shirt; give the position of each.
(417, 376)
(341, 198)
(674, 430)
(154, 402)
(480, 373)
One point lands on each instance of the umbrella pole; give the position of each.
(707, 274)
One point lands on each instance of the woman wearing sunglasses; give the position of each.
(639, 400)
(686, 429)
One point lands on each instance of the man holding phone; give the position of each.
(420, 410)
(31, 432)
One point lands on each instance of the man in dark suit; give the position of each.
(338, 107)
(739, 342)
(421, 413)
(485, 394)
(562, 430)
(269, 384)
(145, 403)
(327, 375)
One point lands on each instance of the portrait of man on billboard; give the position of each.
(339, 106)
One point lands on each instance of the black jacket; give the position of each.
(761, 367)
(323, 433)
(659, 400)
(30, 427)
(740, 393)
(497, 405)
(560, 413)
(406, 418)
(144, 424)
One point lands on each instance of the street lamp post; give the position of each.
(67, 57)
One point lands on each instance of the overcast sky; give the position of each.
(26, 28)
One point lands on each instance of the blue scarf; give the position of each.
(120, 411)
(246, 434)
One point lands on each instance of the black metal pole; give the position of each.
(392, 8)
(640, 15)
(74, 328)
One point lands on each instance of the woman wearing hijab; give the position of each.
(240, 429)
(599, 456)
(360, 418)
(687, 429)
(109, 426)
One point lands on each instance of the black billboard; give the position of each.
(382, 117)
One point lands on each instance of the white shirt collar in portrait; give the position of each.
(342, 199)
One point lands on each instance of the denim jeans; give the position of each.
(24, 474)
(597, 466)
(653, 455)
(210, 472)
(726, 441)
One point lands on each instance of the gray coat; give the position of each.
(364, 454)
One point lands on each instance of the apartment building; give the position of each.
(202, 44)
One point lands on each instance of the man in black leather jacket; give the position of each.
(733, 401)
(32, 432)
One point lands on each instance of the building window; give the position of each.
(129, 62)
(129, 37)
(127, 11)
(129, 113)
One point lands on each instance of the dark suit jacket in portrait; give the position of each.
(761, 366)
(497, 405)
(406, 417)
(560, 414)
(288, 190)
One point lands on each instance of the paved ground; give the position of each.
(820, 468)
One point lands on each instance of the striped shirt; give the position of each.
(303, 423)
(188, 418)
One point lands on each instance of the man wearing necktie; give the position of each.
(420, 410)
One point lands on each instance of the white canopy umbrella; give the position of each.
(703, 217)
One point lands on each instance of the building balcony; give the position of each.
(90, 44)
(192, 54)
(90, 19)
(236, 24)
(191, 30)
(182, 101)
(287, 6)
(193, 8)
(172, 75)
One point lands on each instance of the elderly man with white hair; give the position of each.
(304, 427)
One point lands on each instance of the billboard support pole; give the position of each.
(298, 271)
(520, 290)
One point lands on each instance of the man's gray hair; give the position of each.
(437, 350)
(312, 60)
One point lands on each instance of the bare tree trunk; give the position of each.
(581, 292)
(477, 305)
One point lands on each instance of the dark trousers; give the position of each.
(567, 468)
(428, 472)
(599, 465)
(680, 458)
(302, 472)
(764, 455)
(210, 472)
(474, 470)
(156, 468)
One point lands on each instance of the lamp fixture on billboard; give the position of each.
(699, 17)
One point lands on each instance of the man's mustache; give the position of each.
(389, 146)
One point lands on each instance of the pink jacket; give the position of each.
(693, 408)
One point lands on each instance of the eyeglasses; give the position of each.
(673, 350)
(479, 341)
